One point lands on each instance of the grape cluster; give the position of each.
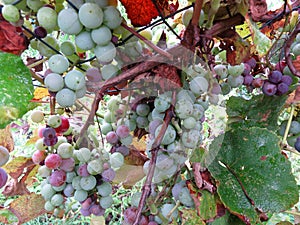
(4, 157)
(293, 138)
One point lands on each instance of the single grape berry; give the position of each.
(297, 145)
(112, 137)
(247, 69)
(49, 133)
(282, 88)
(275, 77)
(40, 32)
(53, 161)
(269, 89)
(252, 62)
(287, 79)
(64, 126)
(248, 79)
(122, 131)
(57, 178)
(258, 82)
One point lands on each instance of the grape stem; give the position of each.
(196, 13)
(286, 132)
(154, 150)
(147, 42)
(287, 50)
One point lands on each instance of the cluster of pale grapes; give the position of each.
(81, 174)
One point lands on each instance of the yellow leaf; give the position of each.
(6, 138)
(40, 93)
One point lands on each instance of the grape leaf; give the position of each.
(251, 174)
(227, 219)
(129, 175)
(141, 12)
(6, 138)
(16, 88)
(16, 167)
(7, 217)
(190, 217)
(259, 111)
(28, 207)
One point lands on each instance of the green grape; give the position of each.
(84, 41)
(235, 81)
(142, 122)
(34, 4)
(105, 128)
(67, 48)
(109, 71)
(65, 150)
(101, 35)
(156, 115)
(109, 117)
(47, 191)
(48, 206)
(166, 209)
(199, 85)
(127, 141)
(75, 80)
(76, 183)
(189, 123)
(106, 202)
(183, 108)
(37, 116)
(169, 135)
(10, 13)
(164, 162)
(83, 154)
(66, 97)
(198, 112)
(58, 63)
(88, 183)
(221, 71)
(191, 138)
(142, 109)
(226, 88)
(44, 49)
(47, 18)
(185, 197)
(112, 17)
(161, 105)
(187, 95)
(296, 49)
(135, 199)
(295, 127)
(59, 188)
(70, 176)
(236, 70)
(133, 49)
(44, 171)
(57, 199)
(104, 189)
(80, 195)
(54, 82)
(95, 166)
(90, 15)
(105, 53)
(54, 121)
(116, 160)
(68, 21)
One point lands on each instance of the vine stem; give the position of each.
(154, 150)
(286, 132)
(287, 50)
(147, 42)
(197, 11)
(30, 66)
(293, 213)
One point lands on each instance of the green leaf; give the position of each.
(197, 155)
(190, 217)
(251, 173)
(227, 219)
(16, 88)
(260, 111)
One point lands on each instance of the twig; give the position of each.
(147, 42)
(197, 12)
(155, 147)
(37, 77)
(287, 50)
(287, 129)
(30, 66)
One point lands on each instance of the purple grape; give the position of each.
(40, 32)
(247, 69)
(57, 178)
(287, 79)
(252, 62)
(123, 150)
(82, 170)
(49, 133)
(176, 190)
(85, 212)
(123, 131)
(86, 204)
(216, 89)
(50, 141)
(68, 165)
(269, 89)
(97, 210)
(282, 88)
(153, 125)
(3, 177)
(248, 80)
(275, 77)
(93, 74)
(69, 190)
(297, 145)
(112, 137)
(108, 175)
(258, 82)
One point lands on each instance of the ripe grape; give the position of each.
(165, 210)
(4, 155)
(104, 189)
(80, 195)
(123, 150)
(252, 62)
(275, 77)
(112, 137)
(66, 97)
(93, 74)
(65, 150)
(3, 177)
(68, 165)
(95, 166)
(248, 79)
(90, 15)
(85, 212)
(53, 161)
(58, 63)
(57, 199)
(68, 21)
(37, 116)
(82, 170)
(122, 131)
(84, 40)
(54, 82)
(96, 210)
(105, 53)
(108, 175)
(54, 121)
(101, 35)
(287, 79)
(247, 69)
(112, 17)
(38, 156)
(57, 178)
(282, 88)
(47, 18)
(64, 126)
(75, 80)
(40, 32)
(116, 160)
(86, 204)
(88, 183)
(10, 13)
(109, 71)
(269, 89)
(191, 138)
(129, 215)
(258, 82)
(106, 202)
(50, 141)
(47, 191)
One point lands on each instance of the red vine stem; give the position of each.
(197, 11)
(147, 42)
(154, 150)
(287, 50)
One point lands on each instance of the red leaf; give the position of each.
(141, 12)
(11, 40)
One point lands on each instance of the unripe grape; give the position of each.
(38, 156)
(95, 167)
(57, 200)
(80, 195)
(10, 13)
(101, 35)
(221, 70)
(47, 18)
(54, 82)
(44, 171)
(53, 161)
(116, 160)
(105, 53)
(83, 154)
(67, 48)
(4, 155)
(112, 17)
(90, 15)
(37, 116)
(106, 202)
(88, 183)
(66, 97)
(84, 40)
(109, 71)
(75, 80)
(34, 4)
(68, 21)
(58, 63)
(54, 121)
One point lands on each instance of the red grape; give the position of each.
(275, 77)
(53, 161)
(97, 210)
(258, 82)
(108, 175)
(82, 170)
(112, 137)
(3, 177)
(269, 89)
(68, 165)
(122, 131)
(93, 74)
(38, 156)
(57, 178)
(86, 204)
(64, 126)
